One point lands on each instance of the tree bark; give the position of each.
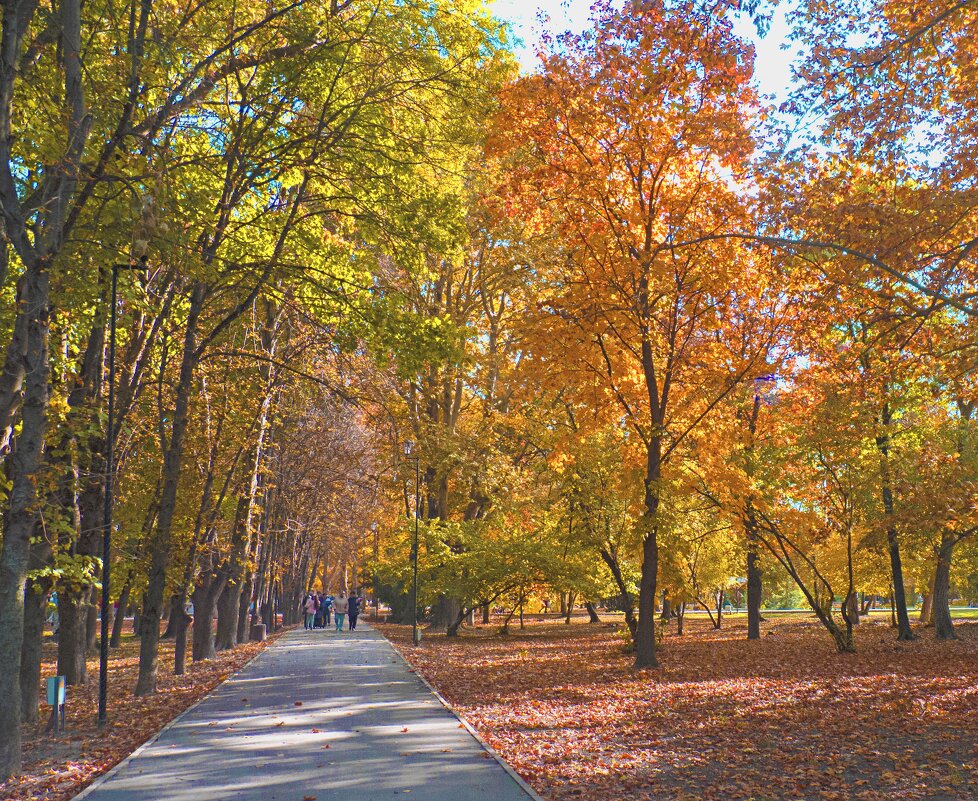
(25, 467)
(35, 612)
(754, 581)
(120, 613)
(629, 607)
(645, 631)
(904, 632)
(71, 639)
(943, 625)
(591, 612)
(181, 622)
(161, 542)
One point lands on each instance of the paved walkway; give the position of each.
(319, 714)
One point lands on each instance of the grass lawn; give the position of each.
(722, 719)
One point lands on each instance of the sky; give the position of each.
(772, 72)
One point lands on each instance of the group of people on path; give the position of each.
(317, 609)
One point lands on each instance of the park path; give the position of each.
(319, 714)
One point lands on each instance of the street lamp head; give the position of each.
(408, 447)
(373, 526)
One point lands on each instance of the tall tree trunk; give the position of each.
(645, 632)
(181, 622)
(244, 603)
(754, 581)
(160, 543)
(944, 627)
(35, 613)
(36, 596)
(205, 605)
(120, 614)
(904, 632)
(592, 613)
(227, 602)
(71, 638)
(610, 559)
(25, 467)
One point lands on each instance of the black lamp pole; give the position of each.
(103, 662)
(373, 530)
(415, 632)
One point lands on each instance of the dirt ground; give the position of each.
(723, 719)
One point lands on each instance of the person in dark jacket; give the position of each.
(354, 611)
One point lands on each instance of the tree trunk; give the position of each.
(36, 596)
(719, 620)
(591, 612)
(666, 613)
(171, 620)
(91, 622)
(852, 608)
(754, 582)
(444, 612)
(571, 598)
(71, 638)
(244, 602)
(925, 618)
(455, 625)
(160, 543)
(944, 627)
(626, 597)
(645, 633)
(181, 622)
(227, 618)
(120, 614)
(485, 614)
(680, 619)
(892, 539)
(35, 612)
(205, 605)
(25, 465)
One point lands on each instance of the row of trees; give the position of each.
(649, 333)
(255, 167)
(705, 338)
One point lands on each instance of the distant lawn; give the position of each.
(957, 612)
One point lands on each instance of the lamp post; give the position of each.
(103, 662)
(373, 574)
(409, 452)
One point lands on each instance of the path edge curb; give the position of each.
(533, 794)
(104, 777)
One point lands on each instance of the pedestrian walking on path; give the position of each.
(340, 607)
(354, 607)
(309, 609)
(278, 732)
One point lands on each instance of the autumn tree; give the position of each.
(630, 140)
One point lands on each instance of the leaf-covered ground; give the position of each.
(56, 768)
(723, 719)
